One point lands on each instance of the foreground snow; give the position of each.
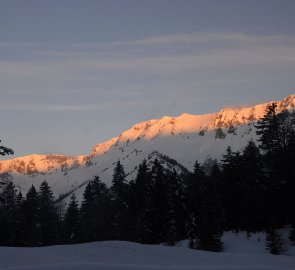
(240, 253)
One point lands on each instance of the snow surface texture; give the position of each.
(186, 138)
(240, 253)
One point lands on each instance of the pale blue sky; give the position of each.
(75, 73)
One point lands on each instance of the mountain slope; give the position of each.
(185, 139)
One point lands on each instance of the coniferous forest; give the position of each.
(251, 190)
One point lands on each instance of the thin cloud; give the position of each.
(184, 38)
(189, 38)
(225, 57)
(68, 107)
(216, 58)
(50, 108)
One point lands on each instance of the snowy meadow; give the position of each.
(239, 253)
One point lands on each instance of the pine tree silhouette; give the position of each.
(31, 234)
(274, 243)
(8, 215)
(72, 222)
(47, 215)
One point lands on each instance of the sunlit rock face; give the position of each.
(184, 139)
(35, 164)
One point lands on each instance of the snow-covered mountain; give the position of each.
(173, 140)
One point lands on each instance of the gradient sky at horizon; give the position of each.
(75, 73)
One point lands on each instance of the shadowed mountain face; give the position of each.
(173, 140)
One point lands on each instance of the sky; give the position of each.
(76, 73)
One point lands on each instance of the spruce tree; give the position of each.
(121, 220)
(209, 222)
(274, 243)
(88, 214)
(48, 216)
(119, 186)
(176, 211)
(192, 232)
(140, 187)
(171, 228)
(8, 211)
(103, 213)
(95, 212)
(253, 214)
(232, 188)
(159, 199)
(290, 172)
(267, 128)
(72, 222)
(292, 234)
(193, 189)
(172, 234)
(30, 219)
(19, 218)
(194, 197)
(143, 202)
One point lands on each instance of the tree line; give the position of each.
(250, 190)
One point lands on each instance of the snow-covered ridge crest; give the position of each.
(189, 123)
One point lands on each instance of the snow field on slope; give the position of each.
(240, 253)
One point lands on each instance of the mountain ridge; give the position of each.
(218, 119)
(185, 139)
